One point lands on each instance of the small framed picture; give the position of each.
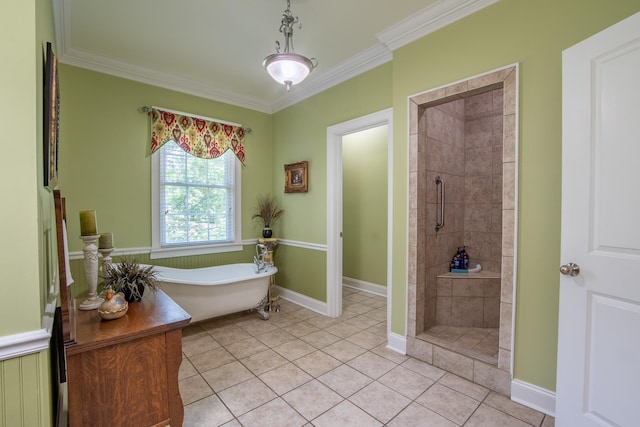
(296, 178)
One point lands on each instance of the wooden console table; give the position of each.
(124, 372)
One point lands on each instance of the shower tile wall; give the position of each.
(483, 179)
(461, 141)
(468, 302)
(442, 131)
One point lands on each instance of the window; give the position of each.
(195, 203)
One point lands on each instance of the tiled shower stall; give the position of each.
(465, 134)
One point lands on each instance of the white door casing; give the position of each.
(598, 379)
(334, 205)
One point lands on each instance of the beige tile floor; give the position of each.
(303, 369)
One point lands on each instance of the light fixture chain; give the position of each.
(288, 67)
(286, 27)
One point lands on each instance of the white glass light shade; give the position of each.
(288, 68)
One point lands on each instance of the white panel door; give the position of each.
(598, 381)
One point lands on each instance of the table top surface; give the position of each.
(155, 313)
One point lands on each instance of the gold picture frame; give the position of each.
(296, 178)
(51, 119)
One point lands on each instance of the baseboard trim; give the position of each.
(373, 288)
(397, 343)
(534, 397)
(303, 300)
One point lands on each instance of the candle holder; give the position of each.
(90, 252)
(106, 256)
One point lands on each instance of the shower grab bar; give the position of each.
(440, 183)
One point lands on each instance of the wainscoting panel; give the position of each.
(25, 391)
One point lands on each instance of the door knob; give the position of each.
(570, 269)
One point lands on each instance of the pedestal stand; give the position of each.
(106, 262)
(90, 252)
(106, 256)
(271, 243)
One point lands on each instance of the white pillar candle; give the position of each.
(106, 241)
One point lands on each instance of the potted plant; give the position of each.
(267, 212)
(130, 278)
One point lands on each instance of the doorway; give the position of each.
(335, 136)
(440, 152)
(364, 212)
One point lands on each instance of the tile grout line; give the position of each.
(308, 319)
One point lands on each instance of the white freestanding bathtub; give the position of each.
(215, 291)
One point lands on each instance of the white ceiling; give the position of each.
(214, 48)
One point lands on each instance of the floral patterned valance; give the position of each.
(199, 137)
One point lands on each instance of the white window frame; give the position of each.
(157, 251)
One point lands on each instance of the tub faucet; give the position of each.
(259, 258)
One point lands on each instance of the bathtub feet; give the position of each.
(261, 308)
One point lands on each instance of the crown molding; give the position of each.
(76, 57)
(61, 25)
(420, 24)
(152, 77)
(430, 19)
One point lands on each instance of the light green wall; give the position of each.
(364, 205)
(533, 34)
(104, 152)
(302, 270)
(20, 115)
(300, 133)
(26, 257)
(105, 164)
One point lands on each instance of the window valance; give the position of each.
(198, 136)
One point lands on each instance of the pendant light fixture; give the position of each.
(288, 67)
